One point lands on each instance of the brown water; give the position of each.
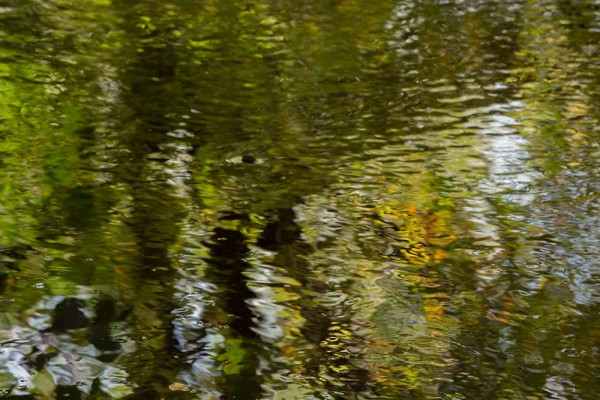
(299, 200)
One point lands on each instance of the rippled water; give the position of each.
(299, 200)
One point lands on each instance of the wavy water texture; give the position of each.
(299, 200)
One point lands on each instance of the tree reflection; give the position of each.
(233, 315)
(319, 200)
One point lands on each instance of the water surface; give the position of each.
(299, 200)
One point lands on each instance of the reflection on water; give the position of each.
(326, 200)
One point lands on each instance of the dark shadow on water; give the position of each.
(68, 315)
(228, 253)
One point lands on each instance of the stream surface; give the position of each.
(317, 199)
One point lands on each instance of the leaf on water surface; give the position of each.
(179, 387)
